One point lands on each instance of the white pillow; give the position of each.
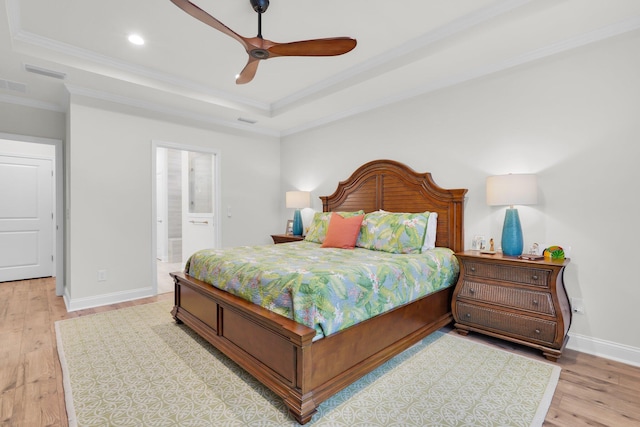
(432, 227)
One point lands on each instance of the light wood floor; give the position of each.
(592, 391)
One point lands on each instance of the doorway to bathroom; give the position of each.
(186, 207)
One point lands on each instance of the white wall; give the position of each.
(22, 120)
(109, 196)
(571, 119)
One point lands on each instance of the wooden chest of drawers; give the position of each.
(517, 300)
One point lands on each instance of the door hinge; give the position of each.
(51, 258)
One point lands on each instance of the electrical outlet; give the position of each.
(102, 275)
(577, 306)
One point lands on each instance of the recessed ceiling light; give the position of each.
(136, 39)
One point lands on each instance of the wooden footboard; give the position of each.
(280, 353)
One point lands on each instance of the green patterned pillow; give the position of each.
(320, 223)
(399, 233)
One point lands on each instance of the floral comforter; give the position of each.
(324, 288)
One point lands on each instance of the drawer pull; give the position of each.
(534, 277)
(538, 331)
(535, 302)
(472, 269)
(468, 315)
(472, 291)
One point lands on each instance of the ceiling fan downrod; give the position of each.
(260, 6)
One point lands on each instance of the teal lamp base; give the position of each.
(297, 223)
(512, 242)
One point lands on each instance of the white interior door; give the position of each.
(198, 231)
(26, 218)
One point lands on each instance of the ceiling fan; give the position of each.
(259, 48)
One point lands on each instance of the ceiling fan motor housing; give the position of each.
(259, 53)
(260, 6)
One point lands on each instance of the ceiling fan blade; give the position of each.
(203, 16)
(248, 72)
(259, 48)
(318, 47)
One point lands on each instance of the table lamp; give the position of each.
(510, 190)
(297, 200)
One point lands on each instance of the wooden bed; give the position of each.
(279, 352)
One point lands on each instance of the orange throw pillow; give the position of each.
(342, 232)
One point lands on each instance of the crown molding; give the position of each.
(394, 58)
(619, 28)
(13, 16)
(32, 103)
(223, 98)
(373, 67)
(175, 112)
(218, 97)
(366, 70)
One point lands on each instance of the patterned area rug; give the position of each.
(137, 367)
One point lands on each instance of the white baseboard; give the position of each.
(106, 299)
(607, 349)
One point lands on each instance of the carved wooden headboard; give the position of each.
(394, 187)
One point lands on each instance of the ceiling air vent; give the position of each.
(13, 86)
(44, 72)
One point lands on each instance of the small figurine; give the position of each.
(491, 247)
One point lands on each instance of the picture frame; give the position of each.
(289, 230)
(479, 243)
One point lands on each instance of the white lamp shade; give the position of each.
(298, 199)
(512, 189)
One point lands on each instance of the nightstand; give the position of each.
(513, 299)
(285, 238)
